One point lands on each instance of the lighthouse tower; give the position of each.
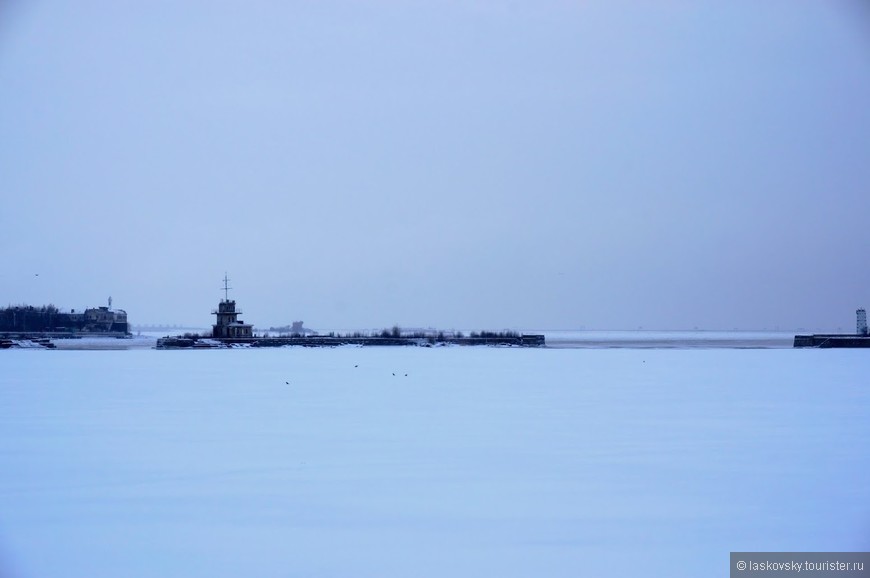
(227, 323)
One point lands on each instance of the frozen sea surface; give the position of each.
(478, 462)
(669, 339)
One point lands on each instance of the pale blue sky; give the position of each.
(474, 164)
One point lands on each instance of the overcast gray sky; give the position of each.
(460, 163)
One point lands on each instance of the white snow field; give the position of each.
(480, 462)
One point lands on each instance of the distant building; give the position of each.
(862, 322)
(228, 323)
(297, 328)
(49, 319)
(104, 317)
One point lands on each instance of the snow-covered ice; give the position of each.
(478, 462)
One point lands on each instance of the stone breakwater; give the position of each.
(830, 341)
(325, 341)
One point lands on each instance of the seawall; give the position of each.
(830, 341)
(323, 341)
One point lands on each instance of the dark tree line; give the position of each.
(30, 318)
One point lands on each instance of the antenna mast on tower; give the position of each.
(226, 288)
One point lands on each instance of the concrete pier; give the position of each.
(325, 341)
(829, 341)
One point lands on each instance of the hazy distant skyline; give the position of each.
(468, 164)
